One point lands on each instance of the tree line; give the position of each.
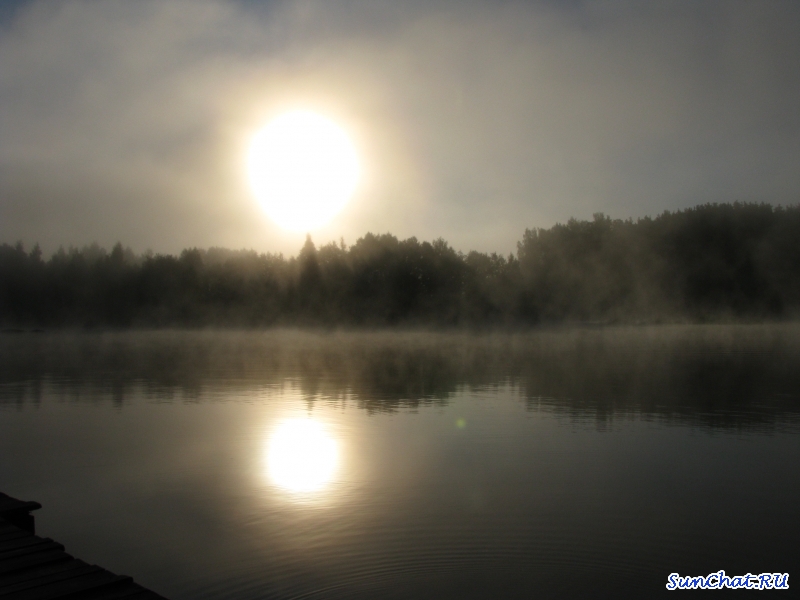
(737, 261)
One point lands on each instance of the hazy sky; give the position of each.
(130, 121)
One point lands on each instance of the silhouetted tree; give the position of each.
(730, 261)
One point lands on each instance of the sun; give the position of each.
(303, 168)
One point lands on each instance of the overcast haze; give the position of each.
(129, 121)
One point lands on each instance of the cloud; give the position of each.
(128, 121)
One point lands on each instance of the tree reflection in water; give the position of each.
(710, 375)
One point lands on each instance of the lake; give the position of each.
(289, 464)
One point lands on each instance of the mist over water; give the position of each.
(441, 465)
(715, 375)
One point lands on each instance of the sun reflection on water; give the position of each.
(301, 456)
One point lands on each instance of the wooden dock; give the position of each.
(34, 568)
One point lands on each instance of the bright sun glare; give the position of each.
(303, 169)
(302, 457)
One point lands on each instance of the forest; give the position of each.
(714, 262)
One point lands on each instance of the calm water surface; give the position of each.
(405, 465)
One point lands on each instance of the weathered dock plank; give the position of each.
(18, 512)
(35, 568)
